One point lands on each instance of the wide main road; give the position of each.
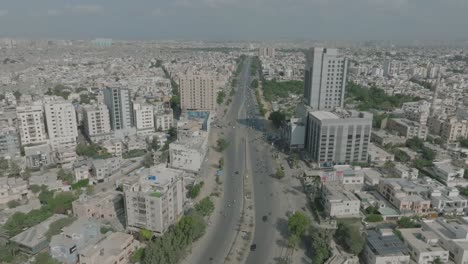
(215, 245)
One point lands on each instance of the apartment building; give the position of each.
(424, 246)
(107, 206)
(325, 79)
(406, 196)
(453, 129)
(163, 120)
(417, 111)
(449, 174)
(112, 248)
(407, 128)
(154, 199)
(339, 202)
(384, 247)
(61, 124)
(339, 137)
(9, 143)
(452, 235)
(119, 102)
(391, 68)
(96, 122)
(31, 124)
(197, 92)
(449, 201)
(144, 118)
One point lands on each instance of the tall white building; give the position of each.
(61, 124)
(96, 121)
(325, 79)
(339, 137)
(119, 102)
(163, 120)
(155, 199)
(144, 118)
(197, 92)
(391, 68)
(31, 124)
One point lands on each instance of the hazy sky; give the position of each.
(236, 19)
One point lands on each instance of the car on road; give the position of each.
(265, 218)
(236, 172)
(253, 247)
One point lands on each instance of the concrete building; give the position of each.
(163, 120)
(266, 52)
(391, 68)
(378, 155)
(107, 206)
(38, 156)
(144, 118)
(383, 137)
(31, 124)
(112, 248)
(188, 154)
(13, 189)
(384, 247)
(417, 111)
(453, 236)
(96, 122)
(424, 246)
(339, 137)
(34, 239)
(405, 195)
(101, 169)
(118, 100)
(339, 202)
(154, 200)
(65, 246)
(448, 173)
(61, 124)
(403, 171)
(197, 92)
(453, 129)
(9, 143)
(407, 128)
(294, 133)
(449, 201)
(325, 79)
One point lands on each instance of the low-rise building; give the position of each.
(403, 171)
(112, 248)
(449, 174)
(384, 247)
(407, 128)
(453, 236)
(406, 196)
(378, 155)
(101, 169)
(383, 137)
(339, 202)
(154, 199)
(105, 205)
(448, 201)
(34, 239)
(13, 189)
(424, 246)
(39, 156)
(163, 120)
(65, 246)
(9, 143)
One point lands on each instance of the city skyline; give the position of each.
(236, 19)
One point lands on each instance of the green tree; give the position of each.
(350, 238)
(138, 255)
(56, 227)
(254, 84)
(148, 161)
(80, 184)
(205, 207)
(415, 143)
(44, 258)
(194, 190)
(407, 222)
(222, 144)
(463, 142)
(279, 173)
(65, 175)
(154, 144)
(15, 169)
(319, 240)
(428, 154)
(220, 97)
(277, 118)
(35, 188)
(374, 218)
(13, 204)
(437, 260)
(146, 234)
(400, 155)
(298, 223)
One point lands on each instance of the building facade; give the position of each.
(119, 102)
(61, 124)
(155, 200)
(31, 124)
(325, 79)
(144, 118)
(197, 92)
(338, 138)
(96, 121)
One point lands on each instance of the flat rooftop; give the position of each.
(36, 234)
(385, 243)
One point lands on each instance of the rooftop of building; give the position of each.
(154, 181)
(340, 114)
(108, 245)
(36, 234)
(453, 229)
(385, 243)
(424, 241)
(446, 166)
(98, 198)
(336, 192)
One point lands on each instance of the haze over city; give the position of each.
(236, 19)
